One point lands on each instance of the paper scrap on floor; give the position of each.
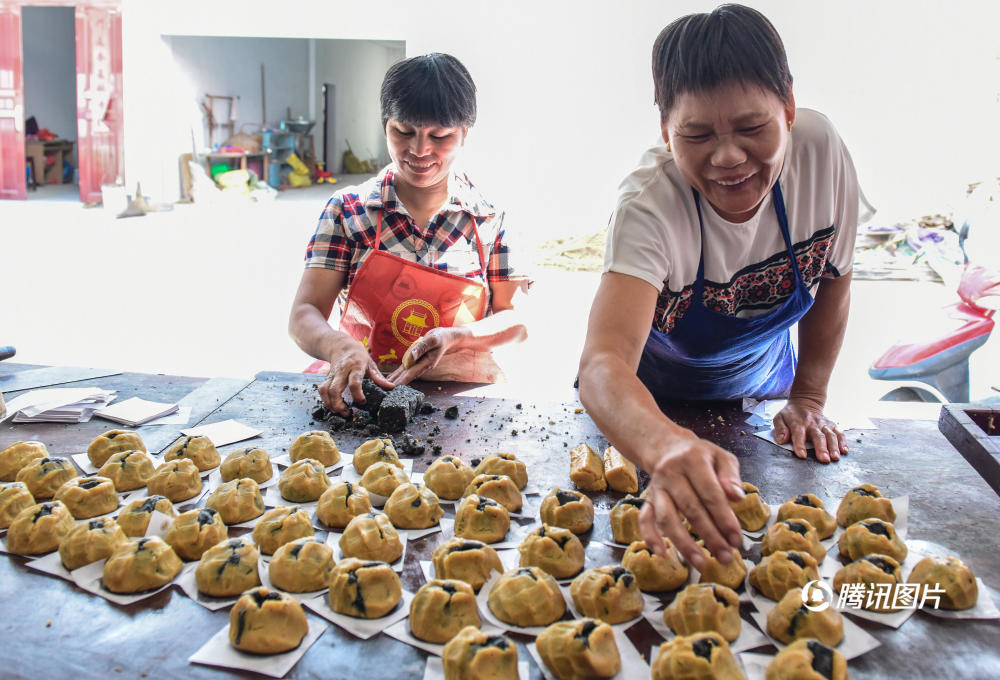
(224, 432)
(59, 404)
(762, 414)
(135, 411)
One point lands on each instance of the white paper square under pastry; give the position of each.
(515, 535)
(223, 432)
(189, 586)
(3, 549)
(333, 540)
(284, 460)
(273, 499)
(755, 664)
(358, 627)
(51, 564)
(484, 609)
(855, 643)
(158, 524)
(264, 571)
(633, 665)
(82, 461)
(215, 480)
(89, 578)
(435, 669)
(749, 637)
(401, 631)
(445, 524)
(218, 652)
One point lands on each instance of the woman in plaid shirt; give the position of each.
(417, 257)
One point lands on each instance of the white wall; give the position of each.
(355, 67)
(231, 67)
(565, 92)
(49, 39)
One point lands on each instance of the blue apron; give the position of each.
(710, 355)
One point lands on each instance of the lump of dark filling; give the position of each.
(43, 511)
(408, 446)
(586, 629)
(526, 571)
(399, 405)
(622, 574)
(259, 598)
(877, 528)
(451, 413)
(637, 502)
(448, 588)
(864, 492)
(565, 497)
(89, 484)
(715, 593)
(373, 395)
(95, 524)
(881, 564)
(797, 527)
(206, 516)
(500, 642)
(803, 500)
(797, 559)
(703, 647)
(468, 545)
(822, 661)
(800, 616)
(483, 502)
(149, 504)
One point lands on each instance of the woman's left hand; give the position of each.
(802, 421)
(425, 353)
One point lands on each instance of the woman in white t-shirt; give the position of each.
(739, 226)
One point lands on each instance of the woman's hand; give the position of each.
(696, 479)
(426, 352)
(349, 364)
(802, 421)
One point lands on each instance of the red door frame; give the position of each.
(100, 124)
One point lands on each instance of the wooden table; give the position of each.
(949, 504)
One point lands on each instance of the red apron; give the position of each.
(392, 301)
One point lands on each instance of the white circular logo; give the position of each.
(817, 596)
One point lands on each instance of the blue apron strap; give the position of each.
(779, 207)
(699, 281)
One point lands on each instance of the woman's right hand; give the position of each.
(349, 364)
(696, 480)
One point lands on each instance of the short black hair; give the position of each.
(732, 44)
(432, 89)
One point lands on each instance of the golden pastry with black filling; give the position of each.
(178, 480)
(793, 534)
(195, 531)
(807, 659)
(342, 502)
(625, 520)
(751, 510)
(91, 541)
(863, 502)
(586, 469)
(584, 649)
(88, 497)
(279, 526)
(482, 519)
(791, 619)
(364, 589)
(936, 573)
(44, 476)
(571, 510)
(318, 445)
(14, 497)
(781, 571)
(237, 501)
(655, 573)
(527, 596)
(303, 481)
(871, 536)
(704, 607)
(39, 528)
(128, 470)
(302, 565)
(199, 450)
(413, 506)
(141, 565)
(448, 476)
(375, 451)
(871, 571)
(382, 478)
(111, 442)
(730, 575)
(228, 568)
(371, 537)
(17, 455)
(250, 462)
(441, 608)
(475, 655)
(553, 549)
(134, 518)
(701, 656)
(607, 593)
(466, 560)
(810, 508)
(504, 464)
(500, 488)
(265, 621)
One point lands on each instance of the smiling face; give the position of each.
(729, 143)
(423, 154)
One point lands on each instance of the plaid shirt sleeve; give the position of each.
(330, 247)
(504, 264)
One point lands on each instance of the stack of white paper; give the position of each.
(135, 411)
(59, 404)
